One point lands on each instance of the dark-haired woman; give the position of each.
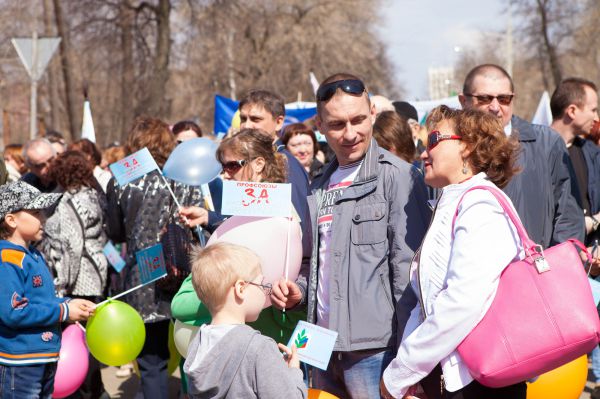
(455, 273)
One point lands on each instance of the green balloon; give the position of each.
(115, 334)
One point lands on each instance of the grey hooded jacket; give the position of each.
(243, 364)
(378, 223)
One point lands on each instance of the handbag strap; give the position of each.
(530, 247)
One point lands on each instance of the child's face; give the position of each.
(255, 298)
(29, 224)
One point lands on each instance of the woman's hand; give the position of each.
(193, 216)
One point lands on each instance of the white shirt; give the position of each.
(340, 179)
(456, 281)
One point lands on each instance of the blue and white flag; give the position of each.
(133, 166)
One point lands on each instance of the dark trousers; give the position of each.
(153, 361)
(433, 387)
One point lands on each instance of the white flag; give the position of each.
(314, 82)
(543, 114)
(87, 127)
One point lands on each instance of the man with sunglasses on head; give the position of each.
(543, 193)
(39, 154)
(369, 215)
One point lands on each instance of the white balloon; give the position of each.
(182, 335)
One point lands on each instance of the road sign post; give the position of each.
(35, 53)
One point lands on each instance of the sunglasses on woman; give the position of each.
(232, 167)
(485, 99)
(435, 137)
(349, 86)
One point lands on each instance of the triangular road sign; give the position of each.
(46, 47)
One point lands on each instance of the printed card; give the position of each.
(133, 166)
(242, 198)
(315, 344)
(113, 257)
(151, 262)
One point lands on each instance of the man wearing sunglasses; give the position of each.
(369, 215)
(39, 154)
(543, 193)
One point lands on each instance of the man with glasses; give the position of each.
(369, 215)
(542, 192)
(39, 154)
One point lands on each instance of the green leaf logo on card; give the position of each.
(301, 339)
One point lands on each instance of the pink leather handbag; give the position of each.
(543, 314)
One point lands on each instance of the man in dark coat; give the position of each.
(542, 192)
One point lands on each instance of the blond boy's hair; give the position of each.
(216, 268)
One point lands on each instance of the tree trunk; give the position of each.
(53, 78)
(155, 104)
(68, 71)
(550, 48)
(126, 17)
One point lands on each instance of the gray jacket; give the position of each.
(243, 364)
(378, 223)
(541, 192)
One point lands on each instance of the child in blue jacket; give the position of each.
(30, 313)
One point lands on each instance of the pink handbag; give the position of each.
(543, 314)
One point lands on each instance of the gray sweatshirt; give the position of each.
(239, 362)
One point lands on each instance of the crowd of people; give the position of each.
(391, 251)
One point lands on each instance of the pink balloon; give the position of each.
(267, 237)
(73, 362)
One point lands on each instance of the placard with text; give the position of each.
(133, 167)
(242, 198)
(151, 262)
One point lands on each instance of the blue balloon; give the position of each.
(193, 162)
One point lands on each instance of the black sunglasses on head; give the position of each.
(349, 86)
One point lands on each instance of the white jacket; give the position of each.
(458, 280)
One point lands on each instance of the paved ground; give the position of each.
(127, 387)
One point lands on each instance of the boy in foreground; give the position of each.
(228, 359)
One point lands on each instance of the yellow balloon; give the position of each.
(182, 335)
(115, 334)
(235, 121)
(565, 382)
(318, 394)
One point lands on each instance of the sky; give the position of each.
(420, 34)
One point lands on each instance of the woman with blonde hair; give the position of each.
(456, 272)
